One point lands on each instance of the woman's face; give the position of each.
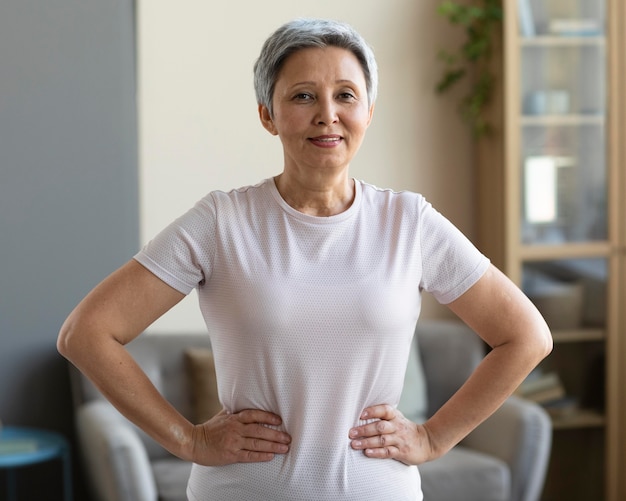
(321, 109)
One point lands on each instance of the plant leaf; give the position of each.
(450, 78)
(478, 19)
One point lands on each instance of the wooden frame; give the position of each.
(616, 374)
(499, 224)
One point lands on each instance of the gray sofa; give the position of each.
(505, 459)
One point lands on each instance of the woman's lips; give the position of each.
(326, 141)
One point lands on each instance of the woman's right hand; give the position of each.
(243, 437)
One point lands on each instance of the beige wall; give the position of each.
(199, 128)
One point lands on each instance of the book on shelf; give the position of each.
(542, 388)
(562, 408)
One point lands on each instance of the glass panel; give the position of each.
(580, 369)
(563, 133)
(570, 293)
(566, 17)
(564, 184)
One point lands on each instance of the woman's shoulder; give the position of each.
(387, 192)
(407, 199)
(218, 200)
(238, 195)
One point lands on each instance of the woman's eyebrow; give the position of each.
(342, 81)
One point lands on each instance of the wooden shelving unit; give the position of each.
(566, 245)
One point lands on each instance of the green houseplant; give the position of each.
(479, 19)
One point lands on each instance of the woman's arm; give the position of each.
(497, 310)
(94, 337)
(510, 324)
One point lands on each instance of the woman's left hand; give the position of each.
(392, 437)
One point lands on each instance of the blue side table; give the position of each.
(26, 446)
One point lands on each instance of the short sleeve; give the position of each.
(182, 254)
(451, 263)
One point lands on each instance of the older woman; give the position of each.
(311, 283)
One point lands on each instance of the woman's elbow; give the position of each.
(66, 339)
(543, 343)
(73, 338)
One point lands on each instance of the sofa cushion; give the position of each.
(171, 476)
(463, 474)
(200, 369)
(450, 351)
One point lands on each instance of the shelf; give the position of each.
(562, 41)
(581, 418)
(557, 226)
(562, 120)
(566, 250)
(578, 335)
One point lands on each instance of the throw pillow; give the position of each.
(200, 368)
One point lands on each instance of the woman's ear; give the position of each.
(371, 115)
(266, 120)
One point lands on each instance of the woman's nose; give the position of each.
(327, 112)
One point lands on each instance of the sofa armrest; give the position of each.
(115, 457)
(520, 433)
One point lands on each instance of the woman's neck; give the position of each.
(320, 198)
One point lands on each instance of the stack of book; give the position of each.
(542, 388)
(547, 390)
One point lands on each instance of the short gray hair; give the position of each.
(306, 33)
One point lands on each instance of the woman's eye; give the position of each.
(347, 95)
(303, 96)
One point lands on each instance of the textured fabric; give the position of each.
(312, 318)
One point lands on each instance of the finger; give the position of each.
(382, 452)
(262, 432)
(382, 411)
(375, 442)
(254, 457)
(258, 445)
(259, 416)
(372, 429)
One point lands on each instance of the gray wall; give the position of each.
(68, 190)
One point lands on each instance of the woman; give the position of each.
(311, 283)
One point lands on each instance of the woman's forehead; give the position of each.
(318, 62)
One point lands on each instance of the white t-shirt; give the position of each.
(312, 318)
